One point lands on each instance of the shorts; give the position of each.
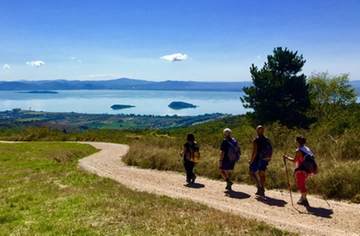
(227, 165)
(258, 165)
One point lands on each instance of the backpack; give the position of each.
(193, 154)
(234, 151)
(309, 164)
(266, 149)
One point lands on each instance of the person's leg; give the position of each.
(253, 168)
(228, 174)
(229, 183)
(262, 169)
(191, 168)
(301, 183)
(188, 170)
(223, 174)
(262, 178)
(253, 178)
(224, 170)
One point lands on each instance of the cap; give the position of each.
(227, 130)
(259, 127)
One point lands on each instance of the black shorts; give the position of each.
(227, 165)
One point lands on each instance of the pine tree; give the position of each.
(279, 91)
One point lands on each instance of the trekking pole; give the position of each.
(287, 176)
(319, 191)
(274, 181)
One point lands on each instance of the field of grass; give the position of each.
(338, 161)
(338, 156)
(43, 192)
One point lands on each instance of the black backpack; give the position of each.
(309, 164)
(266, 150)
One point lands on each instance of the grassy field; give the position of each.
(337, 156)
(43, 192)
(338, 160)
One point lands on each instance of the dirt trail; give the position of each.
(341, 219)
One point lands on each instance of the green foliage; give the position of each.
(279, 92)
(41, 195)
(332, 98)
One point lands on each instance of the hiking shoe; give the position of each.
(260, 192)
(193, 179)
(187, 180)
(303, 201)
(228, 185)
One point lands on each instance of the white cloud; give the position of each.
(72, 58)
(258, 57)
(79, 61)
(35, 63)
(175, 57)
(6, 66)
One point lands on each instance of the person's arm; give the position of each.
(222, 155)
(183, 151)
(254, 153)
(293, 159)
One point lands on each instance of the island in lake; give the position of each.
(41, 92)
(119, 106)
(181, 105)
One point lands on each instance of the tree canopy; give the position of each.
(279, 91)
(333, 100)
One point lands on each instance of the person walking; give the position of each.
(190, 150)
(300, 174)
(258, 161)
(226, 165)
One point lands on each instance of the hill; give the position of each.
(122, 84)
(130, 84)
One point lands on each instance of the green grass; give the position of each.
(43, 192)
(159, 149)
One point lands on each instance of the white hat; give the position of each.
(227, 130)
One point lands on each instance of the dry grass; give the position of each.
(338, 161)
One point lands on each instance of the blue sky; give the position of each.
(217, 40)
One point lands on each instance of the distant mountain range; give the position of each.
(130, 84)
(122, 84)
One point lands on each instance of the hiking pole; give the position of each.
(319, 191)
(274, 181)
(287, 176)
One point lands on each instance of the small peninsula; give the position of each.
(181, 105)
(119, 106)
(41, 92)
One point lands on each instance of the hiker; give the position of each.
(301, 175)
(260, 158)
(230, 153)
(191, 154)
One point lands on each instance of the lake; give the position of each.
(145, 102)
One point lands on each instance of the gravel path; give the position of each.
(339, 219)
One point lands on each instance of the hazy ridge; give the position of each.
(130, 84)
(122, 84)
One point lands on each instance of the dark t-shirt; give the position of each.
(225, 147)
(187, 147)
(259, 141)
